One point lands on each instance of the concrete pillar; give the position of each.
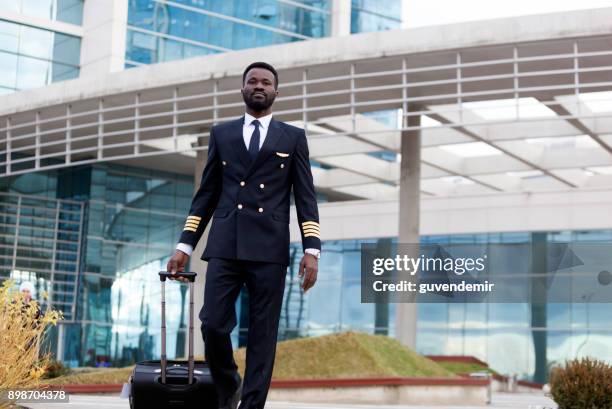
(538, 305)
(61, 340)
(408, 229)
(104, 37)
(340, 18)
(198, 265)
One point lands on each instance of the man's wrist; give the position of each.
(313, 252)
(185, 248)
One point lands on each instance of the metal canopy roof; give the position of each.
(505, 116)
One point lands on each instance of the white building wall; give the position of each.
(340, 18)
(104, 37)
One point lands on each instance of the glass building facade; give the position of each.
(111, 228)
(514, 338)
(118, 226)
(67, 11)
(32, 57)
(181, 29)
(175, 30)
(375, 15)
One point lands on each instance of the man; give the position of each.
(253, 162)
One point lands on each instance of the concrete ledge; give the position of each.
(429, 391)
(390, 381)
(499, 383)
(466, 359)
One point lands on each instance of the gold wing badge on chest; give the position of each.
(282, 154)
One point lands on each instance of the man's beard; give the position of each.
(258, 105)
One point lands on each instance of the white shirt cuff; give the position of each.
(185, 248)
(314, 252)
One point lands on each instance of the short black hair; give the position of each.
(265, 66)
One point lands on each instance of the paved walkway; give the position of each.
(500, 401)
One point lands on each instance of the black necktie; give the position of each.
(254, 144)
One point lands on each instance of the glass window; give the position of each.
(67, 11)
(35, 42)
(367, 15)
(32, 72)
(8, 70)
(37, 8)
(10, 5)
(286, 22)
(66, 49)
(62, 72)
(147, 48)
(9, 36)
(33, 57)
(70, 11)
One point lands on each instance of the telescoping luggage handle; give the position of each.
(163, 275)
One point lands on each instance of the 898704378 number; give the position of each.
(35, 395)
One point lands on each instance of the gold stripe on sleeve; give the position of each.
(311, 230)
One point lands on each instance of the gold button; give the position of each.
(282, 165)
(260, 210)
(224, 163)
(261, 185)
(240, 206)
(242, 183)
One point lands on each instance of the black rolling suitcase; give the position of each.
(173, 384)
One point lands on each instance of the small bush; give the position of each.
(582, 384)
(55, 369)
(22, 326)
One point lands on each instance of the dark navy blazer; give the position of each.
(248, 201)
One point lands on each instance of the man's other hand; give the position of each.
(177, 263)
(309, 267)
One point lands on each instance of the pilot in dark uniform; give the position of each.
(253, 162)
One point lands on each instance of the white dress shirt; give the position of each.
(248, 128)
(247, 131)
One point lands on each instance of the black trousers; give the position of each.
(266, 284)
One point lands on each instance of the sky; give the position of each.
(419, 13)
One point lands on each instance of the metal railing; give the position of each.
(437, 85)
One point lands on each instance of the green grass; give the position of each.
(94, 376)
(346, 355)
(464, 367)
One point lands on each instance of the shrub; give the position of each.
(22, 326)
(55, 369)
(582, 384)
